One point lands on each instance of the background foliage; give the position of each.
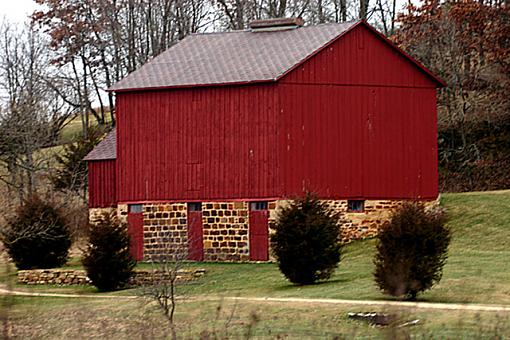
(467, 43)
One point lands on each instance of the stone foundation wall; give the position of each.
(226, 226)
(365, 224)
(165, 231)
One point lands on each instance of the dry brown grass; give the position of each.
(45, 318)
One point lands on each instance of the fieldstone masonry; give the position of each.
(226, 226)
(53, 277)
(95, 213)
(165, 231)
(79, 277)
(365, 224)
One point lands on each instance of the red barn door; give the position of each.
(259, 235)
(195, 232)
(135, 230)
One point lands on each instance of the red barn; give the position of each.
(222, 128)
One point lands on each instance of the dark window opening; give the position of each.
(258, 205)
(195, 206)
(136, 208)
(356, 205)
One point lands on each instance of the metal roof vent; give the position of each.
(277, 24)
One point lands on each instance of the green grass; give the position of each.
(74, 127)
(477, 271)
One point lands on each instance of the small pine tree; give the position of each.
(71, 172)
(37, 236)
(306, 242)
(412, 249)
(107, 260)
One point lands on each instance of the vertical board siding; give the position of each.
(357, 120)
(193, 144)
(360, 57)
(102, 184)
(367, 142)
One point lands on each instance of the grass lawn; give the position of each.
(74, 127)
(477, 271)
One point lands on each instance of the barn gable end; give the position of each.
(362, 56)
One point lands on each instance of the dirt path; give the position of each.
(404, 304)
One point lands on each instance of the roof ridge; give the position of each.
(248, 30)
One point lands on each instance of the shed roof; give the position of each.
(106, 149)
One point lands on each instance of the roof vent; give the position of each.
(276, 24)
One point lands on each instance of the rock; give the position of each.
(380, 319)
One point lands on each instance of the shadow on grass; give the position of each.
(293, 286)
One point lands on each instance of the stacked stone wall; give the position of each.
(53, 277)
(363, 224)
(96, 213)
(226, 226)
(79, 277)
(165, 231)
(226, 231)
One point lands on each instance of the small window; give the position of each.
(258, 206)
(355, 205)
(195, 206)
(136, 208)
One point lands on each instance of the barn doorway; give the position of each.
(195, 232)
(259, 233)
(135, 230)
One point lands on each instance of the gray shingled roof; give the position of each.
(106, 149)
(231, 57)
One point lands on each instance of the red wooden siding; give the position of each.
(259, 235)
(358, 142)
(357, 120)
(360, 121)
(359, 58)
(102, 183)
(197, 143)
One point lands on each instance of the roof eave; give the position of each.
(135, 89)
(86, 159)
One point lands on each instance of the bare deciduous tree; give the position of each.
(30, 118)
